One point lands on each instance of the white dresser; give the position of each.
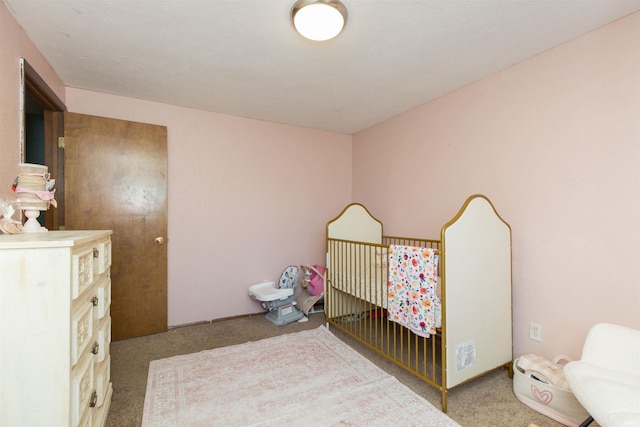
(55, 329)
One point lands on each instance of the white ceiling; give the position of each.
(243, 58)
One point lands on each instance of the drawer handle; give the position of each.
(94, 399)
(94, 301)
(95, 348)
(96, 253)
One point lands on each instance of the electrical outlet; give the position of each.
(535, 331)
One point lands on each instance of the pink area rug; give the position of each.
(308, 378)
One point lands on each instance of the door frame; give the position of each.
(33, 84)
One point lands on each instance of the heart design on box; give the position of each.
(543, 396)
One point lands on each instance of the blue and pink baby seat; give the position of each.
(280, 299)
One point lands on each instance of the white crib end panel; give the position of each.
(477, 275)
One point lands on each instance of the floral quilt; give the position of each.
(412, 288)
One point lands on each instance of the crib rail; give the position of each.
(409, 241)
(356, 302)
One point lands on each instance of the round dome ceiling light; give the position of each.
(319, 20)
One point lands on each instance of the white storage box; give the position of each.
(533, 388)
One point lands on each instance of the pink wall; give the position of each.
(246, 199)
(15, 44)
(554, 142)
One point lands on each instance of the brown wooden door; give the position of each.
(116, 179)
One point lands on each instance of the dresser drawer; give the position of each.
(81, 329)
(81, 271)
(102, 260)
(83, 394)
(102, 380)
(87, 419)
(103, 338)
(103, 297)
(100, 413)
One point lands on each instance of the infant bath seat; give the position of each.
(279, 300)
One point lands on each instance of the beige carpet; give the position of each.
(304, 378)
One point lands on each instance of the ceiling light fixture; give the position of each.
(319, 20)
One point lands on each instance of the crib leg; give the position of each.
(444, 400)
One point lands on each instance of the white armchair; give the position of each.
(606, 380)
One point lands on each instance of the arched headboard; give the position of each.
(357, 224)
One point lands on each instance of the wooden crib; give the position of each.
(474, 329)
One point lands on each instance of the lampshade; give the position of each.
(319, 20)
